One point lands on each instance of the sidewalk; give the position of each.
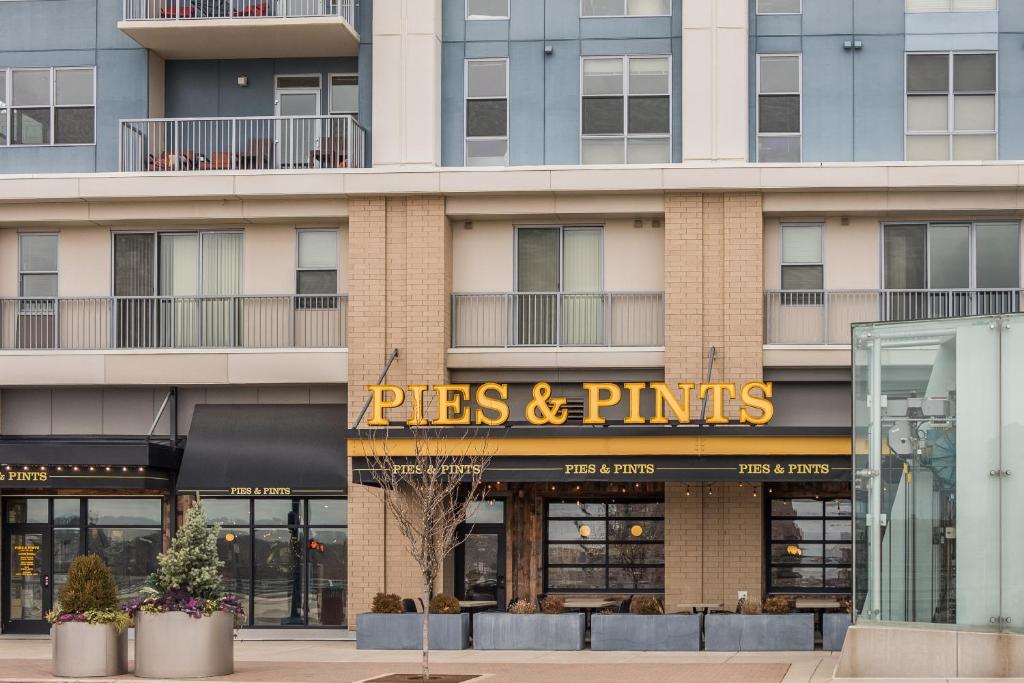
(28, 661)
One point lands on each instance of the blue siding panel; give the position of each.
(626, 46)
(486, 29)
(1011, 97)
(626, 27)
(562, 113)
(452, 113)
(779, 25)
(878, 99)
(878, 17)
(487, 50)
(828, 99)
(526, 103)
(48, 25)
(826, 17)
(527, 20)
(123, 93)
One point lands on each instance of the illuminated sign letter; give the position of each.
(380, 403)
(416, 391)
(718, 391)
(762, 403)
(595, 402)
(485, 402)
(451, 409)
(663, 396)
(634, 389)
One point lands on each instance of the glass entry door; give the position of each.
(298, 134)
(480, 564)
(27, 578)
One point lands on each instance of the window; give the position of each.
(344, 95)
(37, 258)
(47, 106)
(487, 112)
(951, 106)
(559, 272)
(951, 5)
(626, 110)
(810, 545)
(285, 557)
(931, 268)
(801, 257)
(486, 9)
(594, 546)
(316, 274)
(625, 8)
(778, 6)
(778, 108)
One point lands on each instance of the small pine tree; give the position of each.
(192, 563)
(90, 586)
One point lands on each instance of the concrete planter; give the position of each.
(833, 630)
(641, 632)
(503, 631)
(175, 645)
(758, 632)
(83, 650)
(405, 631)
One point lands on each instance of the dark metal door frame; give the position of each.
(465, 530)
(45, 577)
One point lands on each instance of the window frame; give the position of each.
(506, 17)
(562, 229)
(796, 297)
(626, 135)
(770, 587)
(758, 12)
(625, 13)
(606, 543)
(972, 227)
(317, 301)
(907, 9)
(156, 256)
(331, 110)
(950, 95)
(52, 107)
(466, 138)
(800, 110)
(37, 307)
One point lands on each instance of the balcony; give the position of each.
(231, 144)
(173, 323)
(243, 29)
(558, 319)
(823, 317)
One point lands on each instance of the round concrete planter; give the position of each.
(83, 650)
(175, 645)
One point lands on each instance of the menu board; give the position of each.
(25, 557)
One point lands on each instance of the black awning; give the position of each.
(266, 450)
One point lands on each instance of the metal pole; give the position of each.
(383, 374)
(711, 365)
(875, 478)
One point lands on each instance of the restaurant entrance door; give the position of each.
(27, 588)
(480, 564)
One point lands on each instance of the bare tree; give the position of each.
(429, 486)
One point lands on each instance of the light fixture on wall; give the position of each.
(853, 45)
(468, 225)
(243, 81)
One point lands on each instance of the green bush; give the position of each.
(523, 607)
(192, 563)
(90, 586)
(444, 603)
(646, 604)
(386, 603)
(553, 604)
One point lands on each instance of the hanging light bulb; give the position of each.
(687, 490)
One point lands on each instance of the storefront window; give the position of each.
(605, 546)
(810, 545)
(285, 557)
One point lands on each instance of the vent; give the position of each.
(574, 406)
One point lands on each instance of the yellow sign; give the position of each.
(492, 409)
(790, 468)
(23, 476)
(26, 558)
(261, 491)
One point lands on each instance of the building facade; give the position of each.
(219, 221)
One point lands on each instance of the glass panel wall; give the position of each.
(938, 436)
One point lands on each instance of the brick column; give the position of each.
(400, 284)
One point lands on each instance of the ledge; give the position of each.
(556, 358)
(803, 356)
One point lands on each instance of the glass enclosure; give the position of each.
(938, 483)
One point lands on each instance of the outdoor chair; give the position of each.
(409, 605)
(259, 153)
(219, 161)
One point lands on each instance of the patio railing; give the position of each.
(164, 322)
(249, 143)
(558, 319)
(825, 316)
(193, 10)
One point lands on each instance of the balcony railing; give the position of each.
(824, 316)
(558, 319)
(251, 143)
(163, 322)
(197, 10)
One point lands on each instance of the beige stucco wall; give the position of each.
(483, 259)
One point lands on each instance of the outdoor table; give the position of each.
(589, 605)
(470, 605)
(701, 607)
(817, 606)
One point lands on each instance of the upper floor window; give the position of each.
(48, 106)
(487, 9)
(316, 271)
(344, 95)
(779, 6)
(626, 110)
(486, 112)
(951, 106)
(37, 265)
(778, 108)
(982, 255)
(951, 5)
(625, 8)
(802, 266)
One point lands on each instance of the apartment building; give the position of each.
(219, 220)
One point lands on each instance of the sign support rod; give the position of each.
(383, 374)
(711, 365)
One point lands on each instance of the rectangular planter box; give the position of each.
(502, 631)
(405, 631)
(833, 630)
(758, 632)
(641, 632)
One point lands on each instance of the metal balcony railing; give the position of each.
(249, 143)
(558, 319)
(164, 322)
(825, 316)
(197, 10)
